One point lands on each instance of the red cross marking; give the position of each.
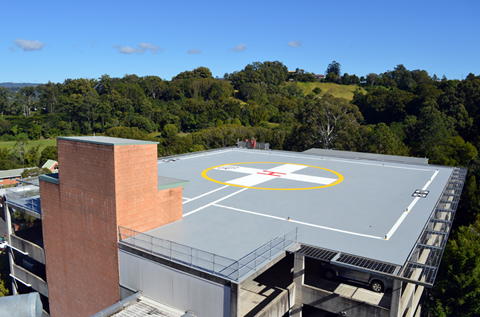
(271, 173)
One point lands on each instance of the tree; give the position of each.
(324, 119)
(32, 156)
(457, 289)
(20, 149)
(34, 172)
(316, 90)
(170, 131)
(383, 141)
(4, 274)
(48, 153)
(333, 67)
(4, 93)
(372, 78)
(35, 132)
(28, 94)
(200, 72)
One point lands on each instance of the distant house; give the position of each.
(9, 177)
(320, 76)
(51, 165)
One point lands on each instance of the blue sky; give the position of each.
(53, 40)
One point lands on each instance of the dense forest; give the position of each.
(398, 112)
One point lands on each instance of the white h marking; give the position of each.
(257, 176)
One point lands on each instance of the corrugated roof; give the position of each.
(11, 173)
(49, 164)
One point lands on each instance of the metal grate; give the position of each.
(420, 273)
(367, 263)
(433, 238)
(422, 264)
(317, 253)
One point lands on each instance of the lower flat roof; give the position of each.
(240, 199)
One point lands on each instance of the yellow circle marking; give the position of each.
(339, 180)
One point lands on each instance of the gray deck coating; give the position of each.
(354, 216)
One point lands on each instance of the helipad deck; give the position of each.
(239, 199)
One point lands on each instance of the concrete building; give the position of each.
(231, 232)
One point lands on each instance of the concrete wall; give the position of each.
(26, 276)
(281, 304)
(33, 250)
(335, 303)
(100, 188)
(175, 288)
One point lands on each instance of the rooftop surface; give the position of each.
(240, 199)
(105, 140)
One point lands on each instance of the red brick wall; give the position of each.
(80, 232)
(100, 187)
(8, 181)
(140, 206)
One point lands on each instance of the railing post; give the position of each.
(255, 260)
(238, 270)
(151, 244)
(170, 250)
(213, 264)
(270, 250)
(191, 257)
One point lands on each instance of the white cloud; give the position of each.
(143, 47)
(128, 49)
(149, 47)
(28, 45)
(295, 43)
(192, 51)
(12, 48)
(240, 48)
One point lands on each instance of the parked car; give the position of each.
(377, 283)
(32, 265)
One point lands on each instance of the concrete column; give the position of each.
(8, 219)
(234, 299)
(298, 280)
(396, 299)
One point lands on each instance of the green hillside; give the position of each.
(44, 143)
(343, 91)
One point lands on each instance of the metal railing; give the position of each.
(206, 261)
(258, 145)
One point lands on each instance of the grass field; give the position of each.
(339, 91)
(43, 143)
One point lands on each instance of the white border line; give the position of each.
(299, 222)
(210, 192)
(183, 158)
(214, 202)
(409, 209)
